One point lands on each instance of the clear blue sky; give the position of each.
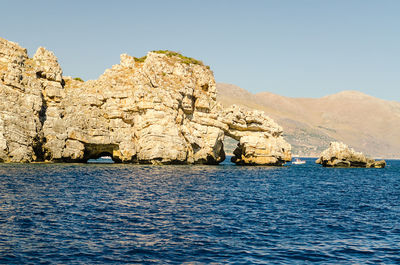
(299, 48)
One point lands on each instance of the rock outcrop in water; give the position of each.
(260, 140)
(158, 109)
(340, 155)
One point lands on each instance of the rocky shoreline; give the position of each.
(158, 109)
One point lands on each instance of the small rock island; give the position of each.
(340, 155)
(158, 109)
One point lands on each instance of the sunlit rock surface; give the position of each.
(158, 109)
(340, 155)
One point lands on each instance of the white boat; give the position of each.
(298, 161)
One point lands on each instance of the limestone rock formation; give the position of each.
(340, 155)
(260, 138)
(158, 109)
(21, 105)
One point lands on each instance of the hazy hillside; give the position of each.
(368, 124)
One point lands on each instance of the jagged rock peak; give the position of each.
(340, 155)
(47, 65)
(127, 60)
(22, 110)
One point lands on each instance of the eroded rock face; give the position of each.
(260, 138)
(340, 155)
(159, 109)
(21, 105)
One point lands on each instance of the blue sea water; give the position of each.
(127, 214)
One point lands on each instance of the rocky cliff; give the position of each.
(22, 106)
(158, 109)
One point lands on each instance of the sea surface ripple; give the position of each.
(119, 214)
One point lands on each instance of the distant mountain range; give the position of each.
(368, 124)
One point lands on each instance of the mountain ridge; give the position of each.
(367, 123)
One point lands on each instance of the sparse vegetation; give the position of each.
(168, 53)
(78, 79)
(183, 59)
(140, 60)
(328, 129)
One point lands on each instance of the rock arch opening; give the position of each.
(101, 153)
(230, 144)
